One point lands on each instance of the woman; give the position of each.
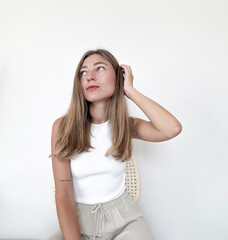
(90, 146)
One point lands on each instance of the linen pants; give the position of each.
(119, 219)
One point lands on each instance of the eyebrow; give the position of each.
(96, 63)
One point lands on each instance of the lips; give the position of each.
(92, 87)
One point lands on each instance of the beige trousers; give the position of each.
(119, 219)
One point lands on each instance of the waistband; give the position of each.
(95, 219)
(100, 213)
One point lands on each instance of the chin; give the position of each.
(98, 99)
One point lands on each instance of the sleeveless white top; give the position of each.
(96, 178)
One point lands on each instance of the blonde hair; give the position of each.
(74, 133)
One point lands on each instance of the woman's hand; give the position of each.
(128, 78)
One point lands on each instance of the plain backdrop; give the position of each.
(178, 52)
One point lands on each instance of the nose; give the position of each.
(90, 76)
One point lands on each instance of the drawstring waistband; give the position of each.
(103, 217)
(98, 215)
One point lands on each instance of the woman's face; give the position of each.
(98, 72)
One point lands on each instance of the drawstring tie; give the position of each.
(103, 217)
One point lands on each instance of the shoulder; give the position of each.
(133, 123)
(56, 124)
(55, 128)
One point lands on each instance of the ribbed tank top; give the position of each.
(96, 178)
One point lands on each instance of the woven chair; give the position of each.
(132, 181)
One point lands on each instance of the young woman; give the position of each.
(90, 146)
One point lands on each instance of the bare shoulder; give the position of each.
(57, 123)
(55, 128)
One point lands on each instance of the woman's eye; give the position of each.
(82, 73)
(100, 68)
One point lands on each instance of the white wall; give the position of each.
(179, 56)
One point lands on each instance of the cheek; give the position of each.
(110, 86)
(82, 85)
(112, 80)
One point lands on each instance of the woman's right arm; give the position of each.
(64, 195)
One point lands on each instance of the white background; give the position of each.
(178, 52)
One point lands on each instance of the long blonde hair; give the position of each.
(74, 133)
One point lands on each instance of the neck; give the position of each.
(99, 112)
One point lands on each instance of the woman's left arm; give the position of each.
(162, 125)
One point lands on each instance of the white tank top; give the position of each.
(96, 178)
